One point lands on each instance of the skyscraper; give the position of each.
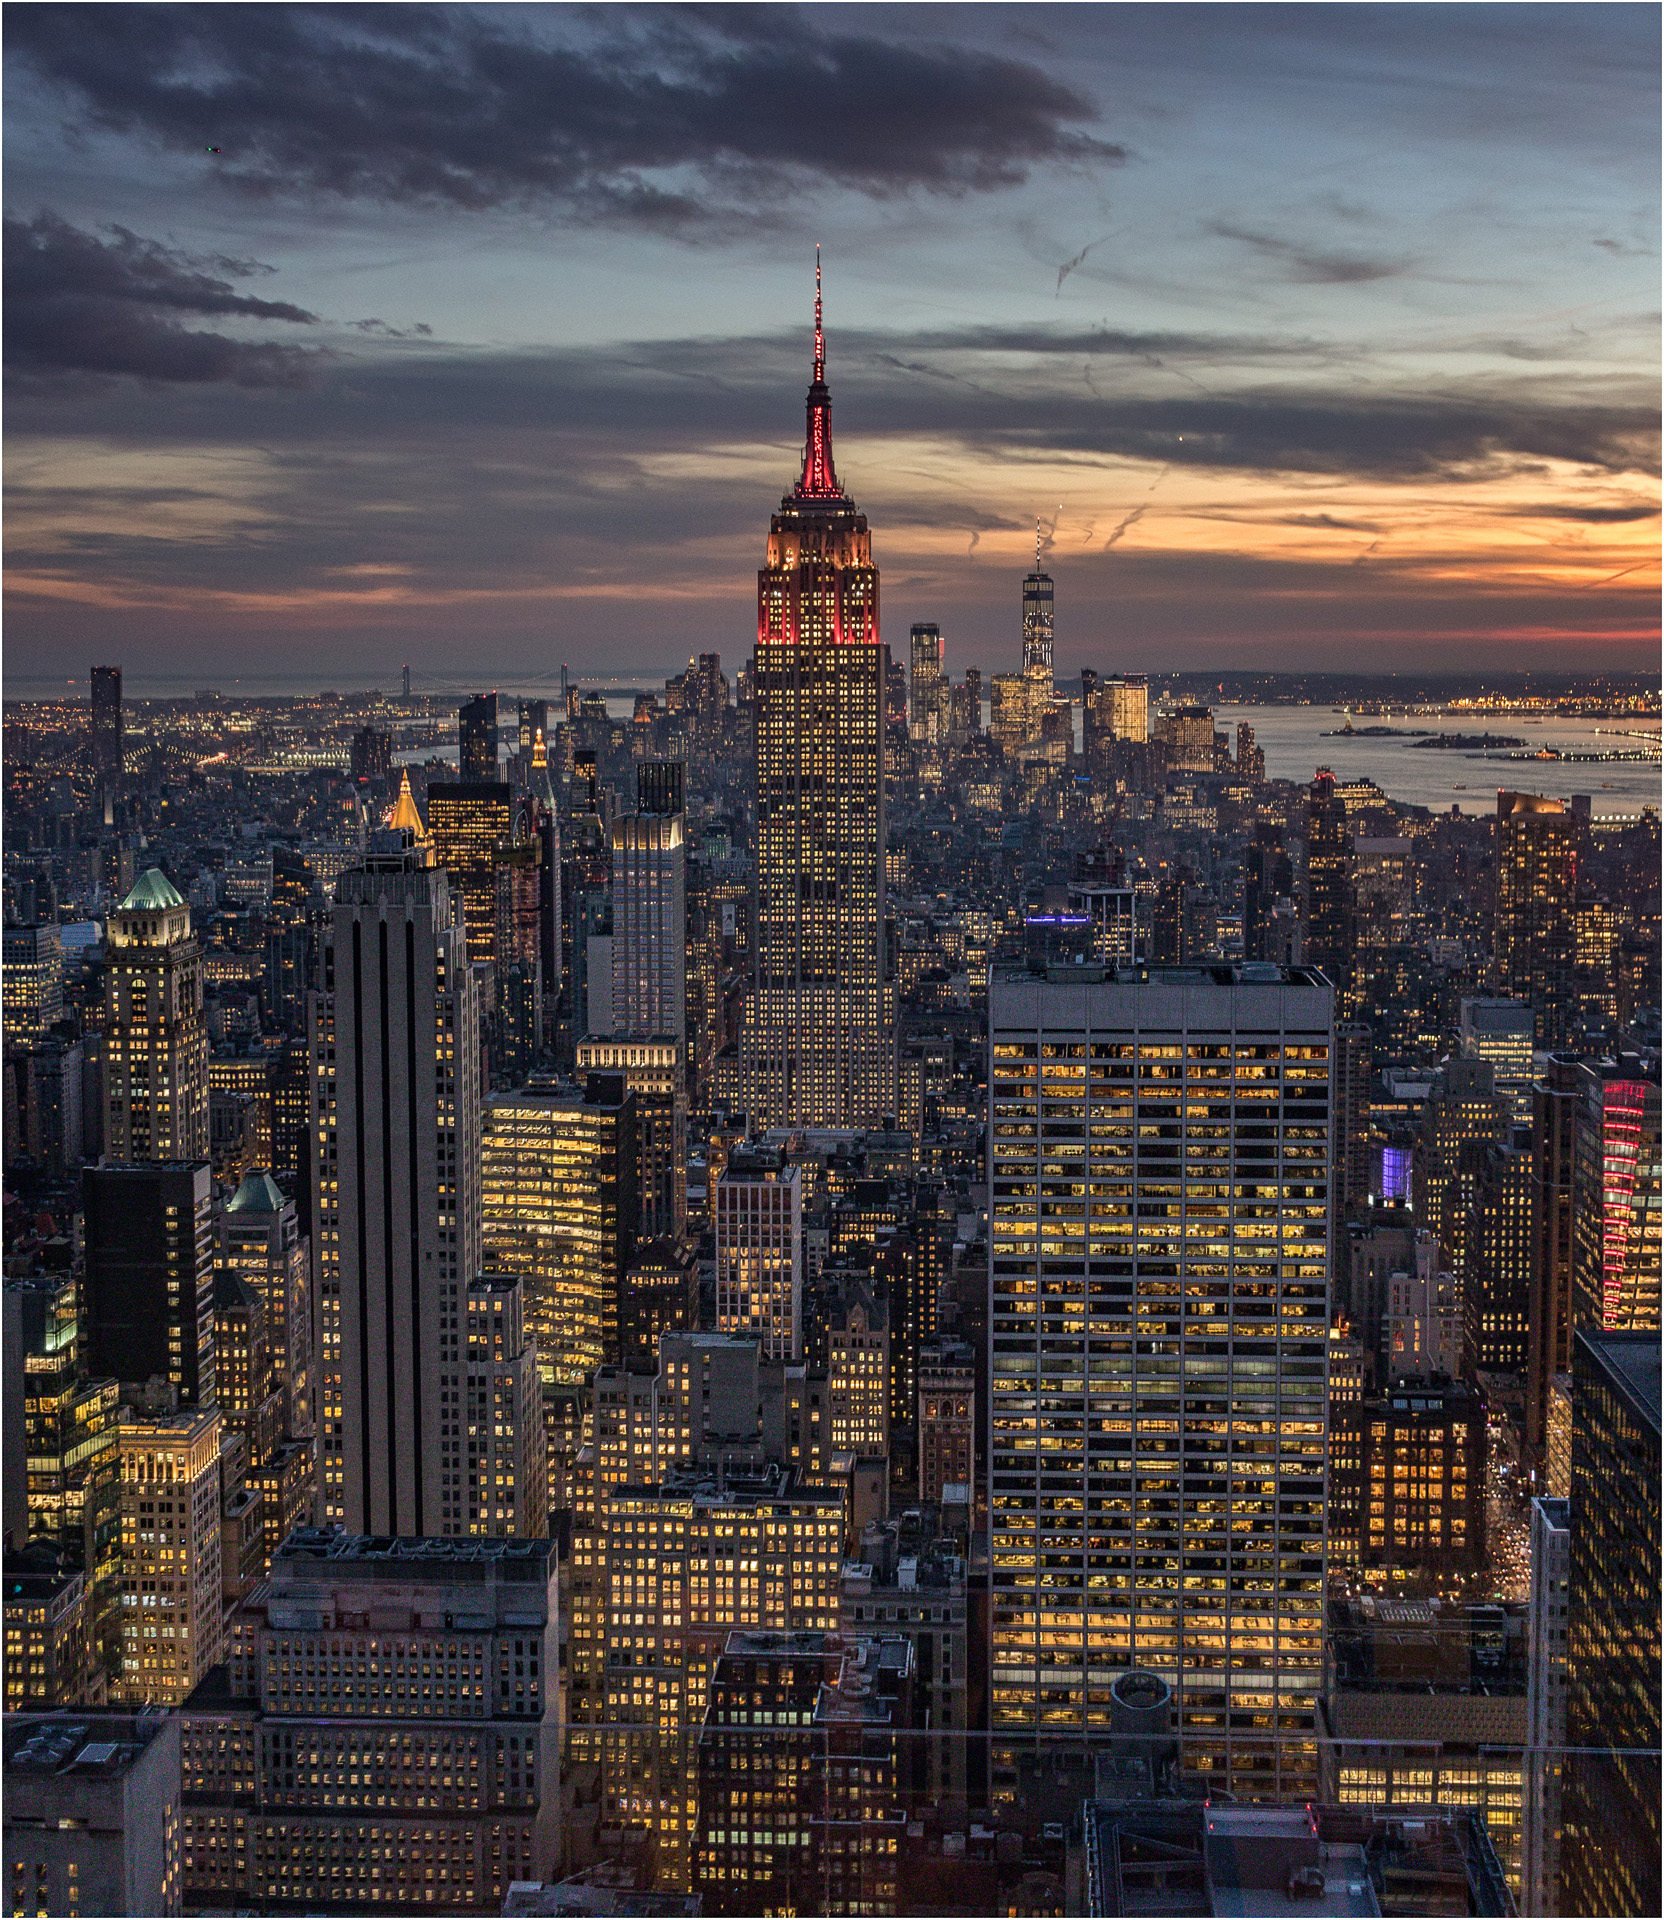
(107, 744)
(149, 1289)
(1554, 1106)
(477, 738)
(1538, 850)
(759, 1255)
(1329, 929)
(155, 1046)
(1037, 617)
(817, 1045)
(649, 925)
(1159, 1161)
(171, 1625)
(1610, 1804)
(1616, 1197)
(260, 1239)
(469, 822)
(927, 689)
(396, 1197)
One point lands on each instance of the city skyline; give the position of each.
(1267, 325)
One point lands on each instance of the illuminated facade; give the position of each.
(649, 925)
(1539, 844)
(817, 1047)
(396, 1196)
(1037, 620)
(927, 690)
(759, 1256)
(155, 1044)
(468, 822)
(652, 1068)
(559, 1176)
(1616, 1198)
(506, 1475)
(1159, 1306)
(171, 1627)
(34, 997)
(260, 1238)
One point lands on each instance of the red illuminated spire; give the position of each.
(820, 481)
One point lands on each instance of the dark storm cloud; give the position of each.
(80, 304)
(638, 115)
(1592, 516)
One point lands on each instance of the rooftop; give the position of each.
(259, 1193)
(1633, 1362)
(152, 893)
(83, 1744)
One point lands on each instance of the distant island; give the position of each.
(1373, 733)
(1471, 741)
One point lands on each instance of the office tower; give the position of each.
(661, 1296)
(386, 1736)
(649, 925)
(469, 822)
(171, 1625)
(1554, 1110)
(699, 1397)
(1353, 1079)
(858, 1379)
(947, 1418)
(506, 1478)
(477, 739)
(926, 701)
(1329, 916)
(1539, 846)
(50, 1660)
(1124, 707)
(559, 1173)
(92, 1813)
(1112, 907)
(651, 1068)
(1407, 1486)
(1128, 1184)
(1616, 1197)
(1267, 877)
(260, 1239)
(1463, 1116)
(245, 1381)
(1010, 724)
(396, 1195)
(686, 1561)
(149, 1288)
(1496, 1291)
(1609, 1857)
(1500, 1031)
(965, 709)
(34, 998)
(661, 787)
(107, 743)
(1189, 735)
(1250, 759)
(1037, 618)
(1545, 1708)
(155, 1044)
(817, 1046)
(62, 1471)
(534, 724)
(758, 1214)
(1422, 1327)
(372, 754)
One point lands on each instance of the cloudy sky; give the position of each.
(476, 337)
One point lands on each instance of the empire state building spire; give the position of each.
(820, 479)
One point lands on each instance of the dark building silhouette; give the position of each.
(150, 1274)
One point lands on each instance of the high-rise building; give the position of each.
(469, 823)
(927, 702)
(651, 1068)
(506, 1478)
(758, 1213)
(51, 1660)
(1554, 1110)
(1010, 723)
(559, 1179)
(149, 1287)
(1267, 877)
(34, 997)
(107, 742)
(1159, 1159)
(858, 1379)
(1407, 1487)
(245, 1381)
(171, 1622)
(155, 1044)
(947, 1418)
(1538, 853)
(477, 739)
(1609, 1858)
(817, 1043)
(1500, 1031)
(396, 1195)
(1616, 1197)
(1329, 928)
(1496, 1291)
(1124, 707)
(261, 1240)
(661, 786)
(1463, 1116)
(92, 1812)
(372, 754)
(1038, 595)
(385, 1736)
(649, 925)
(1545, 1709)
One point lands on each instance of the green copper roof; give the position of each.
(259, 1193)
(152, 892)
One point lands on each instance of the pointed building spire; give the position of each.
(820, 479)
(405, 811)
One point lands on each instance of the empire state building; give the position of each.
(818, 1046)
